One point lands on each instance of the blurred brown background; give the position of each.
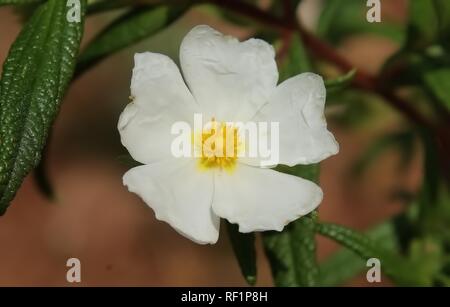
(113, 233)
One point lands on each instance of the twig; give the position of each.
(321, 49)
(361, 80)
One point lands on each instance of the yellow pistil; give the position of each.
(219, 146)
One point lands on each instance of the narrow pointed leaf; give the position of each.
(340, 82)
(397, 268)
(345, 264)
(17, 2)
(35, 76)
(127, 30)
(438, 82)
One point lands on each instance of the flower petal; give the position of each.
(298, 105)
(160, 99)
(180, 195)
(262, 199)
(229, 79)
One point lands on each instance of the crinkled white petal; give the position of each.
(262, 199)
(229, 79)
(180, 195)
(160, 99)
(298, 105)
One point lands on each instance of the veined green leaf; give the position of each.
(345, 264)
(291, 254)
(398, 269)
(438, 82)
(244, 248)
(35, 76)
(127, 30)
(351, 239)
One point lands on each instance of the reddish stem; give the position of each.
(361, 80)
(321, 49)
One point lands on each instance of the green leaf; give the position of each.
(443, 13)
(340, 82)
(343, 18)
(309, 172)
(292, 252)
(127, 30)
(406, 67)
(351, 239)
(41, 176)
(345, 264)
(427, 256)
(397, 268)
(127, 160)
(244, 248)
(423, 24)
(18, 2)
(35, 76)
(434, 198)
(429, 23)
(438, 82)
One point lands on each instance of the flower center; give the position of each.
(218, 146)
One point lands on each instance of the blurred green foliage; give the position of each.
(414, 247)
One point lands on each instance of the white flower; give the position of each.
(226, 80)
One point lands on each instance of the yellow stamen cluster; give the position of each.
(219, 146)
